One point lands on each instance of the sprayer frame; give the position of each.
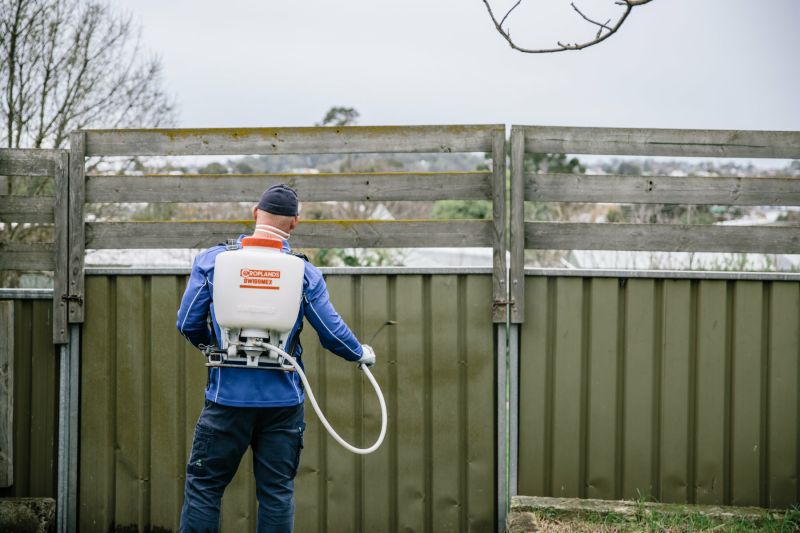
(226, 361)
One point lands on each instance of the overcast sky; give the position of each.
(730, 64)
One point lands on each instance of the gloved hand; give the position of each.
(368, 357)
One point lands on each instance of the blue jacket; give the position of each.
(260, 388)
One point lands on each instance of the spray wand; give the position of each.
(361, 451)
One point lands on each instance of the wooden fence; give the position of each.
(645, 189)
(671, 386)
(366, 186)
(41, 209)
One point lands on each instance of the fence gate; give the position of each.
(42, 378)
(143, 383)
(677, 386)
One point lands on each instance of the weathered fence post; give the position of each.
(61, 249)
(77, 198)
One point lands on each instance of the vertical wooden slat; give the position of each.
(675, 391)
(603, 385)
(6, 393)
(711, 375)
(477, 386)
(534, 460)
(566, 386)
(61, 249)
(746, 393)
(341, 400)
(77, 198)
(784, 341)
(98, 411)
(638, 394)
(166, 468)
(43, 403)
(499, 245)
(377, 481)
(130, 431)
(446, 452)
(411, 403)
(517, 226)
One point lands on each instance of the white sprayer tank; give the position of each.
(258, 287)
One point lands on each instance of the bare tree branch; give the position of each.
(509, 11)
(67, 65)
(587, 19)
(604, 31)
(70, 64)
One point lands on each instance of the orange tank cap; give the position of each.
(262, 241)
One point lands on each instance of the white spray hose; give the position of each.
(337, 438)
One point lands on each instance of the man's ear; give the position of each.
(295, 221)
(255, 212)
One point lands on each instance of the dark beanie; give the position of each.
(279, 200)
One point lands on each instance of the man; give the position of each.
(249, 407)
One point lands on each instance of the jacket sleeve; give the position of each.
(334, 335)
(193, 313)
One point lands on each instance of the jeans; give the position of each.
(221, 437)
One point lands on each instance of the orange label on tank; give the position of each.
(259, 279)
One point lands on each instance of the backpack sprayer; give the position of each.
(257, 295)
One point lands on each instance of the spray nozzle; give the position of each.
(387, 323)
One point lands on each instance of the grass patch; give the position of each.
(651, 521)
(561, 515)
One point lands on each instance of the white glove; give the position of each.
(368, 355)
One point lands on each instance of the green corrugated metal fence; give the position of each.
(35, 400)
(142, 390)
(675, 389)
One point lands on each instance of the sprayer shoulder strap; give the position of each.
(304, 257)
(295, 340)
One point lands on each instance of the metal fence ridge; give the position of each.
(663, 274)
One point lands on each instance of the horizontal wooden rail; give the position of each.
(661, 142)
(368, 186)
(14, 162)
(309, 234)
(329, 140)
(26, 256)
(662, 189)
(26, 209)
(661, 237)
